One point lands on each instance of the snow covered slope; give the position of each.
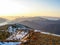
(17, 36)
(22, 34)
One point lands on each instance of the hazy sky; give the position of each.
(30, 7)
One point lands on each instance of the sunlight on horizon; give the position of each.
(30, 8)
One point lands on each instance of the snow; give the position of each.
(21, 35)
(10, 29)
(52, 19)
(46, 33)
(37, 31)
(10, 43)
(17, 36)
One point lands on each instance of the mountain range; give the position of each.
(47, 24)
(51, 25)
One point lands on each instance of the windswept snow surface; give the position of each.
(17, 36)
(46, 33)
(10, 43)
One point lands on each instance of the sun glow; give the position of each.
(29, 8)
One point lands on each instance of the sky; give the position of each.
(30, 8)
